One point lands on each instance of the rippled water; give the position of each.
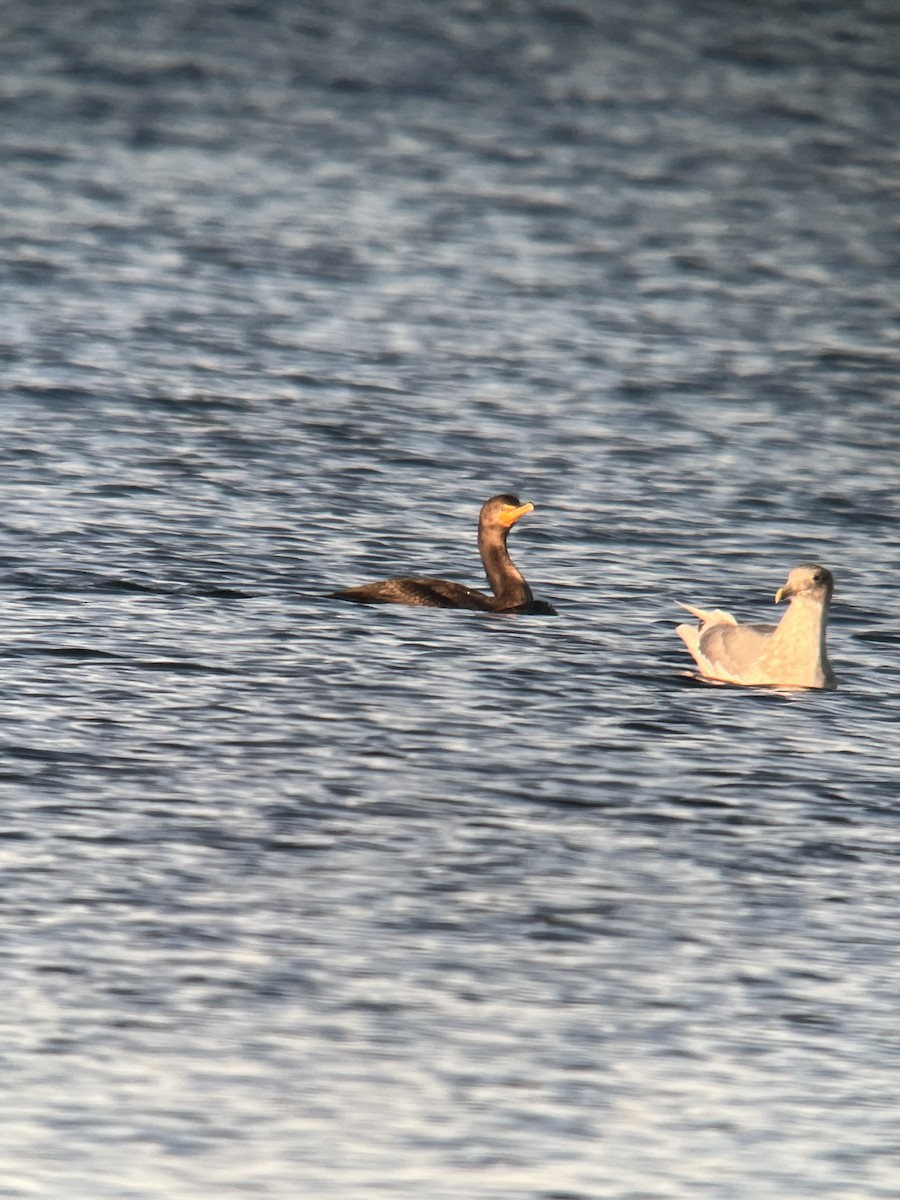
(306, 900)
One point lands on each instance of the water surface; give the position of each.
(302, 899)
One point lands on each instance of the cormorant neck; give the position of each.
(507, 583)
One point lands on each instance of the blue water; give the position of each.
(307, 900)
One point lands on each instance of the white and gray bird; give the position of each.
(790, 654)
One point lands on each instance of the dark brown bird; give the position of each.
(511, 594)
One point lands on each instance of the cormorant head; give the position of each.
(505, 510)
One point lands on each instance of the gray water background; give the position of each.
(306, 900)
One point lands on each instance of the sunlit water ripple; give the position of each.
(307, 900)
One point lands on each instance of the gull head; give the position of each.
(810, 581)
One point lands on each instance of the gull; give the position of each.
(790, 654)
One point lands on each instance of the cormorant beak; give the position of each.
(783, 593)
(509, 514)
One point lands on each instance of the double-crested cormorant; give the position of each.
(511, 593)
(790, 654)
